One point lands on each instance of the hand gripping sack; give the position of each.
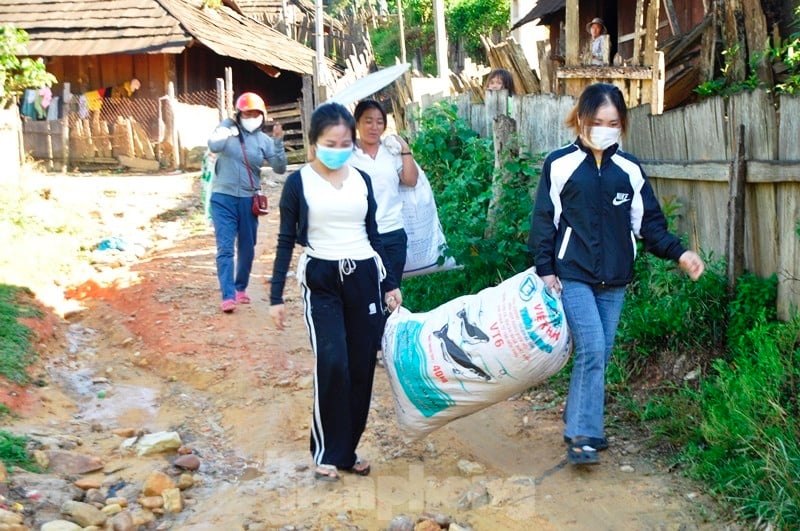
(473, 351)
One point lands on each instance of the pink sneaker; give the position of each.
(242, 298)
(228, 306)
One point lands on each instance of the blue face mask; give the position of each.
(333, 158)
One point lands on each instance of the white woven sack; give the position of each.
(473, 351)
(426, 241)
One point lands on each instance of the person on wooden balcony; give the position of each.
(241, 147)
(592, 203)
(599, 47)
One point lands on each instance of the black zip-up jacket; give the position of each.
(294, 229)
(585, 219)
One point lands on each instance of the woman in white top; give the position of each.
(328, 207)
(389, 162)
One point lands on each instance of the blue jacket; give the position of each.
(294, 229)
(230, 173)
(586, 219)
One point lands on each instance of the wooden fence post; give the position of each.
(735, 236)
(505, 130)
(221, 98)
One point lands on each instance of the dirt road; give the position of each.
(144, 346)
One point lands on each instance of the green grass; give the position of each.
(13, 452)
(15, 338)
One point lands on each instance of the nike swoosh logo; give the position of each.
(618, 202)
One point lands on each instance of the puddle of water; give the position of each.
(100, 400)
(128, 405)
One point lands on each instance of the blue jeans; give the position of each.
(233, 222)
(593, 315)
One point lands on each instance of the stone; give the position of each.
(88, 483)
(143, 517)
(3, 473)
(111, 509)
(151, 502)
(9, 517)
(186, 481)
(427, 525)
(172, 500)
(72, 463)
(125, 433)
(94, 496)
(154, 443)
(626, 468)
(119, 500)
(469, 468)
(156, 482)
(123, 522)
(456, 527)
(83, 514)
(53, 492)
(187, 462)
(476, 496)
(60, 525)
(40, 456)
(401, 523)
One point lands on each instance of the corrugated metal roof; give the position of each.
(540, 10)
(98, 27)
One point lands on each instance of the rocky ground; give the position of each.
(134, 349)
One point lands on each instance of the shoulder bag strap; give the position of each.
(246, 162)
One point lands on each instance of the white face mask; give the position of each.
(604, 137)
(251, 124)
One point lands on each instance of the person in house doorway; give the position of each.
(241, 148)
(328, 207)
(592, 203)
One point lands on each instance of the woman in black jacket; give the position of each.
(592, 203)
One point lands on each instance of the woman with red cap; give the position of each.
(241, 147)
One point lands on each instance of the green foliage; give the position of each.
(460, 167)
(665, 311)
(13, 452)
(750, 453)
(17, 74)
(467, 20)
(754, 301)
(15, 338)
(784, 52)
(464, 19)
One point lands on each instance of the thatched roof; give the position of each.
(99, 27)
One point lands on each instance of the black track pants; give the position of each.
(343, 312)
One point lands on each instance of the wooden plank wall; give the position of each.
(700, 139)
(686, 153)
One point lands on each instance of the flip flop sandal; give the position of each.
(326, 473)
(228, 306)
(242, 298)
(580, 452)
(599, 443)
(360, 468)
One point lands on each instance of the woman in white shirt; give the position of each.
(389, 162)
(328, 208)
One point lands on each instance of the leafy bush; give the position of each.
(460, 166)
(750, 453)
(15, 338)
(13, 451)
